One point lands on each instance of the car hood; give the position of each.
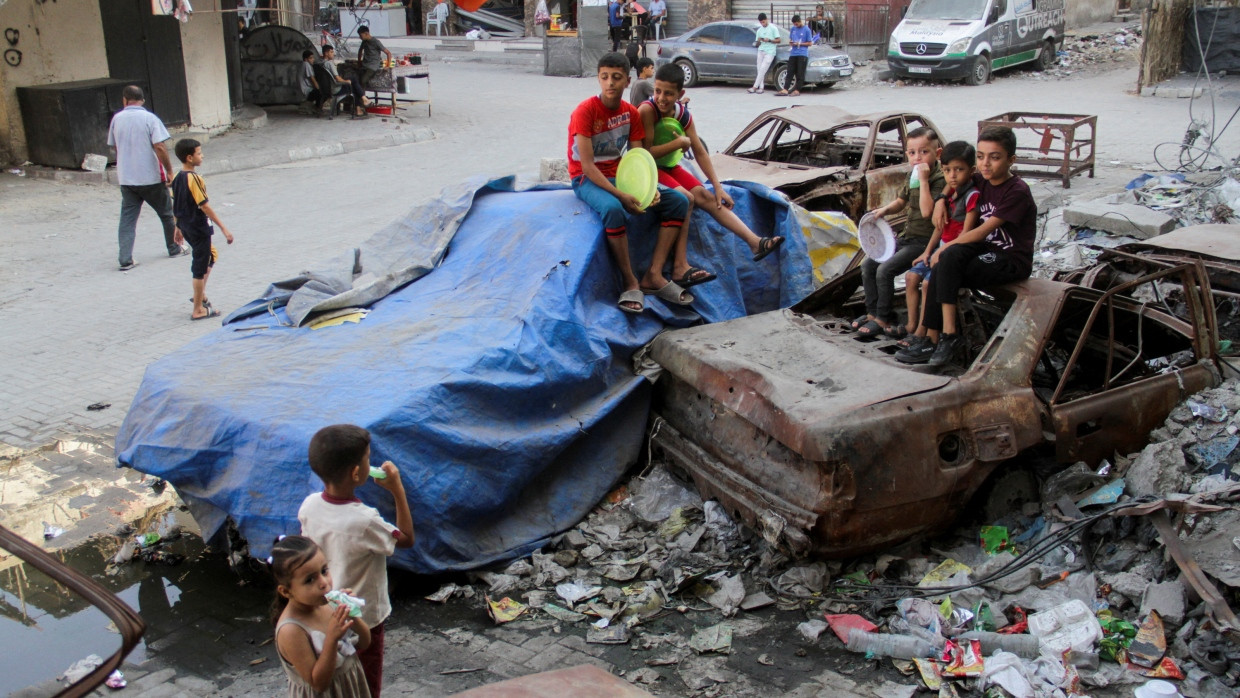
(935, 30)
(787, 375)
(772, 174)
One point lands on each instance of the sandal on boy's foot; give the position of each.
(211, 312)
(670, 293)
(767, 246)
(694, 276)
(632, 296)
(870, 329)
(858, 321)
(896, 331)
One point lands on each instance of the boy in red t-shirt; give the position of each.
(600, 131)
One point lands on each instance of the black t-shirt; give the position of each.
(1013, 203)
(189, 193)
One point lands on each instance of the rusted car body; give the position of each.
(823, 158)
(128, 623)
(825, 444)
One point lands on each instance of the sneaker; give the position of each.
(127, 265)
(949, 346)
(180, 251)
(918, 354)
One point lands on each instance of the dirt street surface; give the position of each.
(694, 604)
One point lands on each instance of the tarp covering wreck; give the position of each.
(493, 368)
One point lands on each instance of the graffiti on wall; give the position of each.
(12, 55)
(271, 65)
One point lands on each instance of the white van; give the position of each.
(951, 39)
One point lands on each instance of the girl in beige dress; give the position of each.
(317, 644)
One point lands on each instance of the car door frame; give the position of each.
(1078, 423)
(740, 57)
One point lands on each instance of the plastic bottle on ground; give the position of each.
(885, 645)
(1021, 645)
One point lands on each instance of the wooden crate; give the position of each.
(1051, 146)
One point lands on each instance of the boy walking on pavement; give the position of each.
(600, 131)
(194, 217)
(143, 168)
(998, 251)
(800, 38)
(355, 538)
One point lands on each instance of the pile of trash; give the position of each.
(148, 542)
(1078, 53)
(1207, 197)
(1082, 589)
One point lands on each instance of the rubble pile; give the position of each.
(1079, 591)
(1078, 53)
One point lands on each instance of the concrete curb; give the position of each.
(252, 161)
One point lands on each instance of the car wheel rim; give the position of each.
(684, 68)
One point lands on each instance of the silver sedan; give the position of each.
(725, 51)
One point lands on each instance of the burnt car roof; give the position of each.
(812, 117)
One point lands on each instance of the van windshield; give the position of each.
(946, 9)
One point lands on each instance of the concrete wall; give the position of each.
(55, 42)
(1082, 13)
(706, 11)
(206, 71)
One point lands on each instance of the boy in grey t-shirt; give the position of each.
(369, 55)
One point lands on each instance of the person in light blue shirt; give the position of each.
(615, 23)
(658, 13)
(767, 41)
(800, 38)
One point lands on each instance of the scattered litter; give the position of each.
(811, 629)
(256, 662)
(116, 680)
(50, 531)
(563, 614)
(98, 406)
(1150, 643)
(444, 593)
(505, 610)
(81, 668)
(17, 171)
(716, 638)
(617, 634)
(844, 623)
(572, 592)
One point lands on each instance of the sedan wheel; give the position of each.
(782, 80)
(690, 72)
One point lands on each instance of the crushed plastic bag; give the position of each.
(659, 495)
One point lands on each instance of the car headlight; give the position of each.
(820, 63)
(960, 45)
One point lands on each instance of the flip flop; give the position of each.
(688, 279)
(896, 331)
(670, 293)
(211, 312)
(870, 329)
(767, 246)
(632, 296)
(858, 321)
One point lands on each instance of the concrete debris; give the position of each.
(1118, 218)
(1167, 598)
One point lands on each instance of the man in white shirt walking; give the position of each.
(145, 171)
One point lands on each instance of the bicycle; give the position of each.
(328, 23)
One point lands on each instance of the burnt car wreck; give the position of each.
(826, 445)
(824, 158)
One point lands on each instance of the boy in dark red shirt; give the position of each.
(600, 131)
(998, 251)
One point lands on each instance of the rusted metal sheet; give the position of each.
(826, 444)
(128, 623)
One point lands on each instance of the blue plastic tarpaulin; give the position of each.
(493, 368)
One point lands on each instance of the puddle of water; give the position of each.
(44, 628)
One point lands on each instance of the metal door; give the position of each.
(709, 50)
(145, 48)
(741, 59)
